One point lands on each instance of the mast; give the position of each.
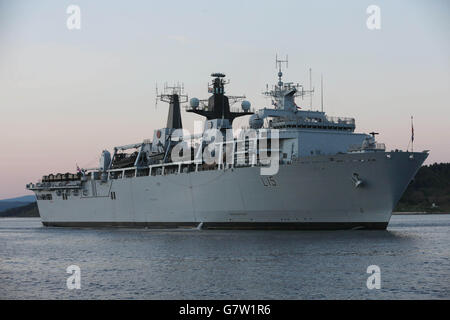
(283, 94)
(174, 96)
(217, 106)
(278, 63)
(321, 92)
(412, 135)
(310, 88)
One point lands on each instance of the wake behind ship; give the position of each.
(289, 169)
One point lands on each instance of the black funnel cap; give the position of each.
(174, 116)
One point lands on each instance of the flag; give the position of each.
(78, 169)
(412, 130)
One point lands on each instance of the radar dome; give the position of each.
(194, 103)
(255, 122)
(245, 105)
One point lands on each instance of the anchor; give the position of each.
(356, 180)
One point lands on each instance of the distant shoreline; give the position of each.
(417, 213)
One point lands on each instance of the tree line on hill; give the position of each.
(429, 191)
(28, 210)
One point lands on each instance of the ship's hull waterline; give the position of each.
(316, 192)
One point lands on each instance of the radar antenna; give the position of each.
(170, 91)
(282, 93)
(174, 96)
(278, 64)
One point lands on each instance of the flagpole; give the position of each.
(412, 135)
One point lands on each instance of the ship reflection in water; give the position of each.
(412, 254)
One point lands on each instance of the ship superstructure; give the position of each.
(326, 175)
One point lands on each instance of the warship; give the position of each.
(290, 168)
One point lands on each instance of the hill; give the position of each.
(28, 210)
(16, 202)
(430, 186)
(27, 199)
(11, 204)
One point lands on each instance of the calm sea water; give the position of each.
(413, 255)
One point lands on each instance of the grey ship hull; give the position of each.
(314, 192)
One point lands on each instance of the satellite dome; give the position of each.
(255, 122)
(194, 103)
(245, 105)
